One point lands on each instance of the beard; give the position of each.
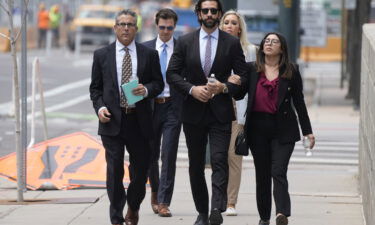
(210, 23)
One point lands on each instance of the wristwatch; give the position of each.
(225, 89)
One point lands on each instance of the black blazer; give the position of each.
(176, 97)
(290, 97)
(104, 87)
(185, 71)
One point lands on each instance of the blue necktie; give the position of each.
(163, 60)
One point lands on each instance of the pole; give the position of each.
(289, 26)
(24, 91)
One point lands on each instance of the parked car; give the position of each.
(95, 22)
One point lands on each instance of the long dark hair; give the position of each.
(285, 66)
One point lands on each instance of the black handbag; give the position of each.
(241, 147)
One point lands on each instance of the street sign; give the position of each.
(314, 26)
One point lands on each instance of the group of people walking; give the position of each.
(258, 91)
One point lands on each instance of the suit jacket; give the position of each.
(176, 97)
(104, 87)
(185, 71)
(290, 97)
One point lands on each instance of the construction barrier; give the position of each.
(4, 43)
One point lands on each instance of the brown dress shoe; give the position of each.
(164, 210)
(131, 217)
(154, 202)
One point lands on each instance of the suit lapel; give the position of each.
(283, 87)
(196, 54)
(220, 43)
(112, 63)
(140, 60)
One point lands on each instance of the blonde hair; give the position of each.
(243, 31)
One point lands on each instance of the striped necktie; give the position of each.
(126, 75)
(207, 57)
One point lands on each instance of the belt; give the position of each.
(162, 100)
(128, 110)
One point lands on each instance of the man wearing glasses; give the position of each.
(121, 123)
(207, 108)
(166, 119)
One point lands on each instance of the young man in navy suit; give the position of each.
(166, 119)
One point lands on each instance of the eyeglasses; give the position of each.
(170, 28)
(271, 41)
(213, 11)
(123, 25)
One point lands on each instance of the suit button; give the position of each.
(289, 88)
(285, 113)
(286, 100)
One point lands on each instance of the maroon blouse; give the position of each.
(266, 95)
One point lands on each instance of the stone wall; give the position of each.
(367, 124)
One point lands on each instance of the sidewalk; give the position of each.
(320, 194)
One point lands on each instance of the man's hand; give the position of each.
(140, 90)
(215, 88)
(235, 79)
(311, 138)
(201, 93)
(104, 115)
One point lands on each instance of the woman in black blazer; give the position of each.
(274, 88)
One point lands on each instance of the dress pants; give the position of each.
(235, 166)
(139, 151)
(196, 140)
(271, 159)
(167, 132)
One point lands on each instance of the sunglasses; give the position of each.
(123, 25)
(213, 11)
(170, 28)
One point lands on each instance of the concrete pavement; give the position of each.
(320, 193)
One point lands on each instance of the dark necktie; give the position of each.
(126, 75)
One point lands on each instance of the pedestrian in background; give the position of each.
(233, 23)
(120, 123)
(207, 106)
(43, 25)
(166, 119)
(55, 20)
(275, 96)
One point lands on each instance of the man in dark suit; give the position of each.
(207, 108)
(166, 119)
(121, 123)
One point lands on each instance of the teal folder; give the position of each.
(127, 88)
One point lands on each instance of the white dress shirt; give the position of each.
(203, 37)
(159, 48)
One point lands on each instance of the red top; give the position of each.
(266, 95)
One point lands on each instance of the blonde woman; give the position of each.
(233, 23)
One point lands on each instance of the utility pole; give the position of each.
(229, 4)
(289, 21)
(361, 16)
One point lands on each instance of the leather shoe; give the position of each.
(131, 217)
(154, 202)
(215, 217)
(164, 210)
(118, 224)
(202, 219)
(264, 222)
(281, 220)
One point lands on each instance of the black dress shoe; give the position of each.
(215, 217)
(264, 222)
(202, 219)
(281, 220)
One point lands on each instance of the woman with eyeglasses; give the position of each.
(233, 23)
(275, 91)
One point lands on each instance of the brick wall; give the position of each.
(367, 124)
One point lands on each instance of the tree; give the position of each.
(8, 7)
